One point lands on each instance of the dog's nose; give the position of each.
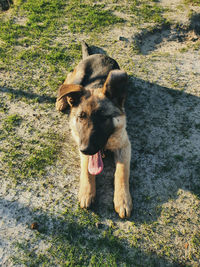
(83, 148)
(88, 150)
(84, 151)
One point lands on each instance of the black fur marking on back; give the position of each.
(96, 69)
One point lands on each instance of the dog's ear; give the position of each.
(69, 93)
(115, 86)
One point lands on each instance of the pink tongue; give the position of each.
(95, 165)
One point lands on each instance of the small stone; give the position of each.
(34, 226)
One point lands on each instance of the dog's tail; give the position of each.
(85, 50)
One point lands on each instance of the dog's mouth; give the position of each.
(95, 165)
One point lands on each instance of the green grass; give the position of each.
(75, 240)
(41, 23)
(83, 17)
(39, 44)
(31, 46)
(195, 2)
(29, 50)
(24, 158)
(147, 11)
(11, 122)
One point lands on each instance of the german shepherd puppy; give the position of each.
(96, 92)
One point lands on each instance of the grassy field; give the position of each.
(41, 224)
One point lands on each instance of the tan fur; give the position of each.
(61, 103)
(87, 189)
(118, 142)
(122, 197)
(120, 145)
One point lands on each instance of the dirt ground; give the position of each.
(163, 123)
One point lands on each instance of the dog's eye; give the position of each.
(82, 115)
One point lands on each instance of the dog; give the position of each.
(96, 91)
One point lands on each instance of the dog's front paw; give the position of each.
(123, 204)
(86, 196)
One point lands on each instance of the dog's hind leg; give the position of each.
(85, 50)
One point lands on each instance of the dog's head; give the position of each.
(95, 114)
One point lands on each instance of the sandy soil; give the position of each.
(163, 123)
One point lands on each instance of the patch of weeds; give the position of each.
(136, 47)
(35, 164)
(185, 128)
(166, 216)
(30, 50)
(183, 49)
(42, 21)
(197, 126)
(3, 106)
(43, 10)
(71, 242)
(196, 46)
(147, 12)
(23, 158)
(86, 18)
(195, 242)
(166, 167)
(11, 122)
(52, 56)
(179, 158)
(193, 2)
(147, 198)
